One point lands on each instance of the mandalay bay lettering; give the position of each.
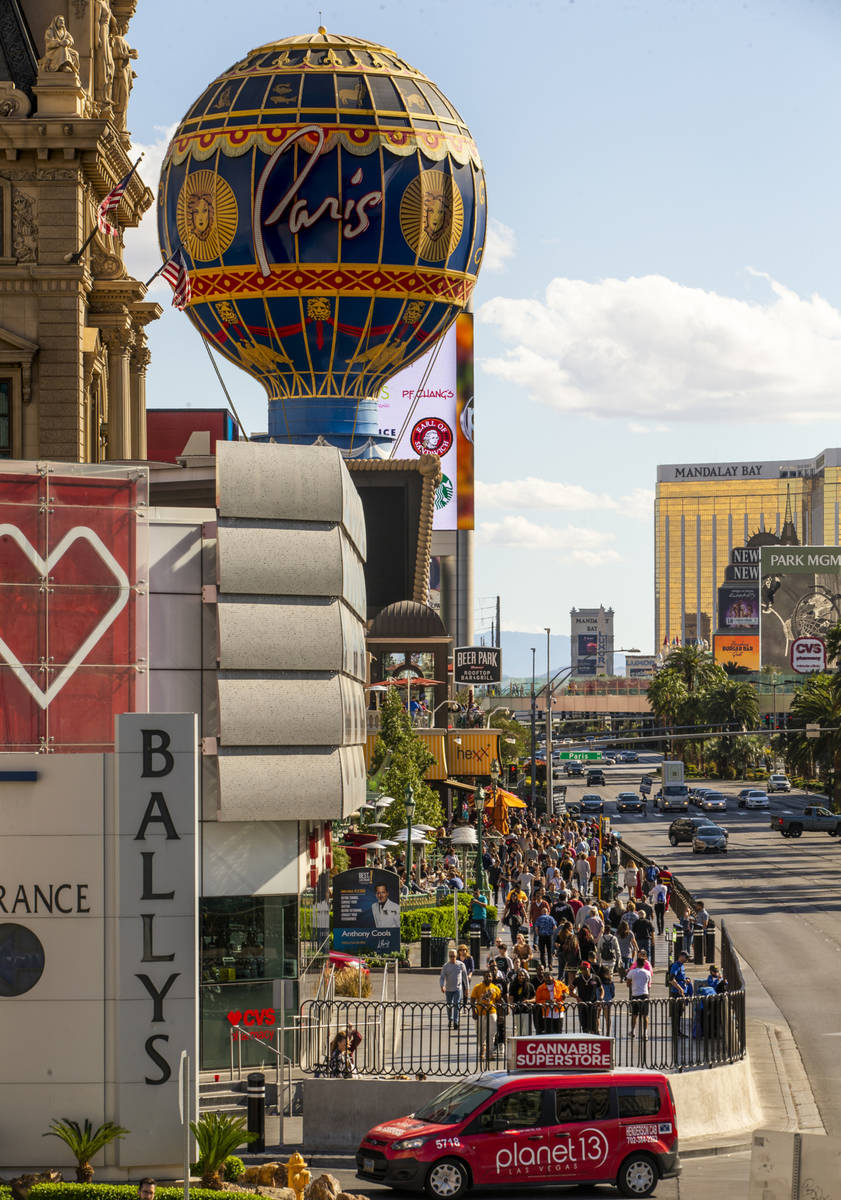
(345, 211)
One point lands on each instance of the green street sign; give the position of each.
(580, 755)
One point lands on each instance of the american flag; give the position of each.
(175, 273)
(111, 203)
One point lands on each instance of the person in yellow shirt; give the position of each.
(483, 1001)
(550, 996)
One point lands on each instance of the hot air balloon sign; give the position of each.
(330, 204)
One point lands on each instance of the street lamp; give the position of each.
(479, 802)
(450, 705)
(493, 713)
(549, 787)
(533, 737)
(410, 812)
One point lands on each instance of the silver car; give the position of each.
(779, 783)
(709, 839)
(713, 802)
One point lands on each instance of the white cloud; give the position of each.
(552, 494)
(648, 428)
(588, 546)
(142, 255)
(500, 244)
(649, 348)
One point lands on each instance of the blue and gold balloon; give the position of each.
(330, 204)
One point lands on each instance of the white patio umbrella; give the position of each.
(384, 801)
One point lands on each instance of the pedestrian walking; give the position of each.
(587, 988)
(608, 995)
(680, 989)
(521, 1001)
(627, 946)
(630, 879)
(483, 1002)
(546, 927)
(550, 996)
(661, 897)
(455, 985)
(638, 980)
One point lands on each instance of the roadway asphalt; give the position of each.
(781, 900)
(723, 1175)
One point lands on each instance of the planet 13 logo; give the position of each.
(586, 1148)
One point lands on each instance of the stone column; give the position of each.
(119, 341)
(140, 359)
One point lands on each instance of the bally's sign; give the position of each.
(477, 664)
(156, 1010)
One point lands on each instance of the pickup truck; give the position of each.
(813, 819)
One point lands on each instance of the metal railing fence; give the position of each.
(413, 1039)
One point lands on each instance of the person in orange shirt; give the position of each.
(550, 996)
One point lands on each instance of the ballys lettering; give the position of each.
(299, 215)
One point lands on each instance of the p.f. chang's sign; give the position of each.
(560, 1052)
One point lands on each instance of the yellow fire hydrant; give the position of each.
(297, 1175)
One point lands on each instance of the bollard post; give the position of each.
(475, 944)
(425, 949)
(256, 1092)
(698, 947)
(709, 942)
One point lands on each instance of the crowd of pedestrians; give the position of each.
(577, 926)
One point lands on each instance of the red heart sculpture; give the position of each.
(235, 1017)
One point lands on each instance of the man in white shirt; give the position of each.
(638, 980)
(385, 912)
(659, 896)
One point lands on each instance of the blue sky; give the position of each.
(663, 282)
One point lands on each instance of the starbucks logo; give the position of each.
(444, 492)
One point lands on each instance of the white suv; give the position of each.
(779, 783)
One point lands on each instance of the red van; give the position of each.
(508, 1128)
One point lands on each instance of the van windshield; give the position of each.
(452, 1106)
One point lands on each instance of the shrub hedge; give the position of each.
(439, 919)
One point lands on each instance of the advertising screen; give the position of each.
(366, 911)
(73, 613)
(800, 598)
(739, 648)
(588, 650)
(738, 608)
(417, 407)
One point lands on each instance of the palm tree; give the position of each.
(84, 1142)
(733, 705)
(694, 665)
(817, 701)
(667, 694)
(833, 646)
(218, 1135)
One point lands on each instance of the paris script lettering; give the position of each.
(297, 211)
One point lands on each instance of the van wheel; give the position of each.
(672, 839)
(796, 831)
(447, 1180)
(637, 1176)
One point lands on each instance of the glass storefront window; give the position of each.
(249, 952)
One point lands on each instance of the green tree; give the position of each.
(84, 1142)
(695, 666)
(409, 761)
(833, 646)
(735, 706)
(667, 694)
(818, 701)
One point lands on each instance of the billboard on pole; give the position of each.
(800, 590)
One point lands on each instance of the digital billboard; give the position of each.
(739, 648)
(417, 407)
(738, 607)
(800, 599)
(73, 604)
(366, 911)
(588, 649)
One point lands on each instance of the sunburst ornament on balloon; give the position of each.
(432, 215)
(206, 215)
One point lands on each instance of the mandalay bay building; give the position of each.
(703, 510)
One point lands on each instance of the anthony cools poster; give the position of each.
(366, 911)
(800, 599)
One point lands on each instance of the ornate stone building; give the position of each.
(73, 351)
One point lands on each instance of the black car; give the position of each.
(629, 802)
(573, 768)
(709, 839)
(592, 804)
(682, 829)
(595, 777)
